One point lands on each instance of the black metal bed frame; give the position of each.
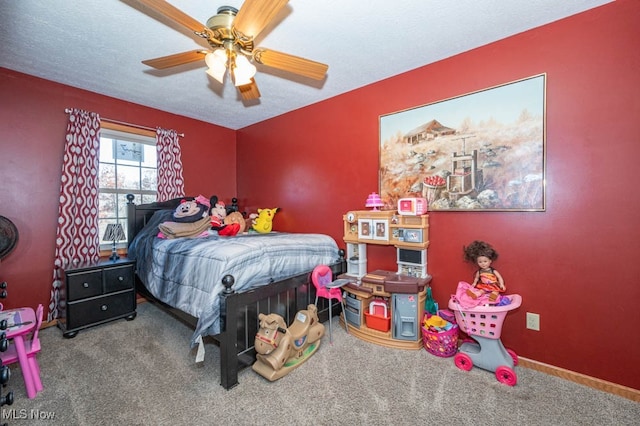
(239, 311)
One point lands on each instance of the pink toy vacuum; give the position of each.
(485, 350)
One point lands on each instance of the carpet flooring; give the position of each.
(142, 372)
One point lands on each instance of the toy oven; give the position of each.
(412, 257)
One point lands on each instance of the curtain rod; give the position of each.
(123, 123)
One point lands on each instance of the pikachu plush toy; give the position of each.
(264, 222)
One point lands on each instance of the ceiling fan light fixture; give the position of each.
(243, 71)
(230, 35)
(216, 61)
(217, 74)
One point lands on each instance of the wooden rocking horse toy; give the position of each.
(279, 349)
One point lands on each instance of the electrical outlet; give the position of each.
(533, 321)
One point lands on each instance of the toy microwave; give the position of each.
(412, 206)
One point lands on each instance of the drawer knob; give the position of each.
(85, 285)
(103, 307)
(120, 278)
(5, 374)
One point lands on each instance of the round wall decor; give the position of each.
(8, 236)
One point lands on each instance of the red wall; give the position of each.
(33, 124)
(576, 264)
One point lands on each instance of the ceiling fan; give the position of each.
(231, 33)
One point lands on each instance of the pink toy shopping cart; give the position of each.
(484, 325)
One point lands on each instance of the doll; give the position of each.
(486, 277)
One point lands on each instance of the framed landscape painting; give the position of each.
(482, 151)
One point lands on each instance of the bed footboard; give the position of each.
(239, 316)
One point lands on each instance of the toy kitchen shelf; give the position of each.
(409, 234)
(386, 308)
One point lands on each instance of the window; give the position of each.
(128, 165)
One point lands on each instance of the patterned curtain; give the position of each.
(77, 239)
(170, 181)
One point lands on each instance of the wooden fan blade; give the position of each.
(176, 59)
(175, 14)
(254, 15)
(290, 63)
(249, 91)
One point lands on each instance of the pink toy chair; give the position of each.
(32, 347)
(326, 287)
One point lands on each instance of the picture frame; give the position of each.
(365, 229)
(481, 151)
(380, 230)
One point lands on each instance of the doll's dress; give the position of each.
(488, 280)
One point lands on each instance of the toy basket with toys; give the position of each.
(442, 343)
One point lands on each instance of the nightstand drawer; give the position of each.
(92, 311)
(83, 285)
(118, 278)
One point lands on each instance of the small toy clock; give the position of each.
(351, 225)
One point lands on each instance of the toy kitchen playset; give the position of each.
(386, 307)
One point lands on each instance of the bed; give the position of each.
(234, 283)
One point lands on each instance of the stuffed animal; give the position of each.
(218, 214)
(236, 217)
(189, 211)
(263, 223)
(250, 220)
(190, 219)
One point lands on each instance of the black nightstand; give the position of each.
(97, 293)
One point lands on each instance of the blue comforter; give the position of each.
(186, 273)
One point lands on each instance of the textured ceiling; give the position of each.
(97, 45)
